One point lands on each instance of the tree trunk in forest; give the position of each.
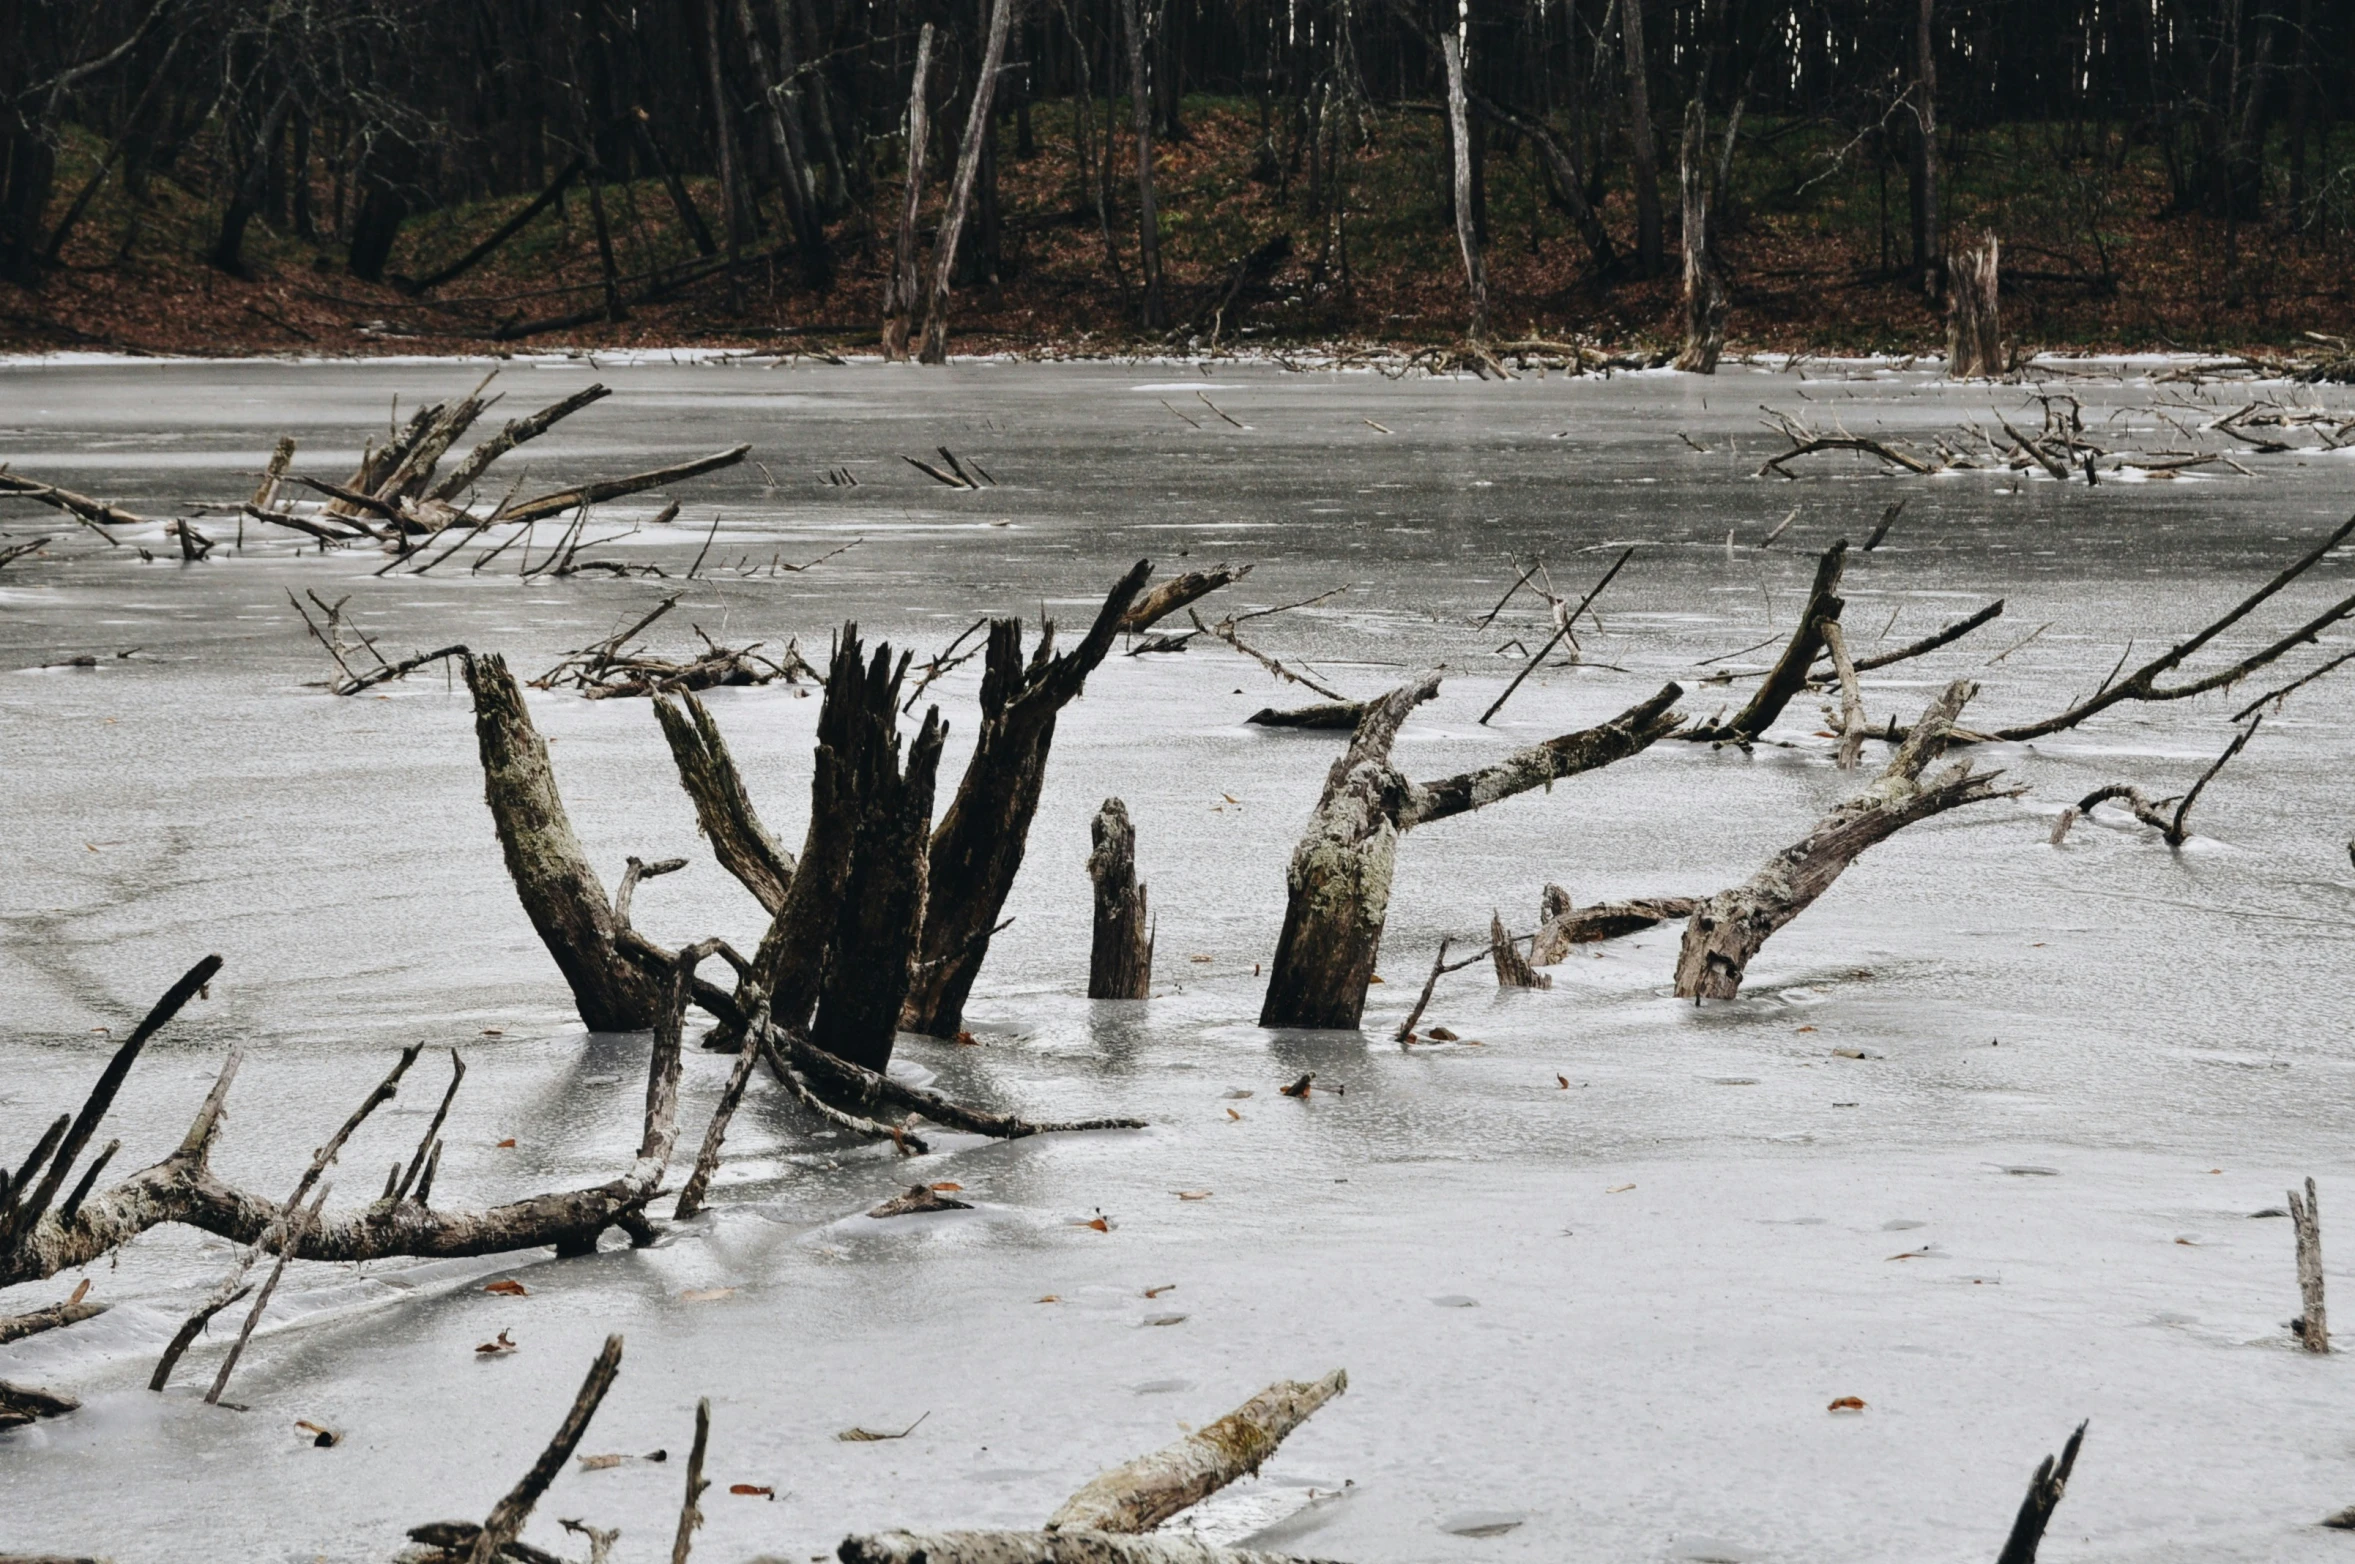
(952, 222)
(376, 225)
(1467, 230)
(1156, 306)
(724, 152)
(1120, 957)
(1704, 289)
(561, 894)
(1928, 242)
(1974, 329)
(245, 204)
(780, 102)
(900, 287)
(978, 848)
(1729, 929)
(1643, 151)
(1339, 879)
(681, 202)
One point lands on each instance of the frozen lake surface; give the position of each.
(1599, 1274)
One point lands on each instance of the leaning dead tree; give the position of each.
(560, 892)
(1728, 929)
(978, 847)
(1790, 672)
(1339, 879)
(1120, 956)
(1974, 328)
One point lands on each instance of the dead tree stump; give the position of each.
(1512, 968)
(1974, 329)
(978, 847)
(1339, 880)
(1729, 928)
(1120, 959)
(2313, 1324)
(561, 894)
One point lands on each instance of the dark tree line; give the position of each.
(338, 120)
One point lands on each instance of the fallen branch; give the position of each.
(2170, 827)
(1176, 593)
(1564, 925)
(1140, 1495)
(604, 489)
(74, 1310)
(97, 515)
(1226, 633)
(1789, 674)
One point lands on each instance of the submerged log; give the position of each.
(15, 1327)
(1120, 957)
(1789, 675)
(1339, 878)
(1140, 1495)
(978, 847)
(562, 895)
(1728, 929)
(604, 489)
(1565, 925)
(1324, 714)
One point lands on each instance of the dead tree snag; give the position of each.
(978, 847)
(1512, 968)
(2044, 1496)
(1120, 957)
(1176, 593)
(1974, 328)
(560, 892)
(1728, 929)
(1789, 674)
(2312, 1326)
(1339, 879)
(1562, 925)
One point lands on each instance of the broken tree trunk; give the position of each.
(1145, 1492)
(1176, 593)
(1974, 330)
(517, 432)
(900, 284)
(2313, 1324)
(885, 811)
(979, 845)
(1339, 879)
(1789, 674)
(562, 895)
(1120, 958)
(1728, 929)
(2044, 1496)
(1512, 968)
(722, 808)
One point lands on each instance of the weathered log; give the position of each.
(1177, 592)
(1140, 1495)
(1120, 955)
(979, 845)
(519, 430)
(1728, 929)
(15, 1327)
(1324, 714)
(1564, 925)
(877, 915)
(604, 489)
(2313, 1322)
(1043, 1547)
(1512, 968)
(691, 1508)
(2044, 1496)
(97, 515)
(1974, 328)
(1339, 877)
(1789, 674)
(409, 477)
(22, 1404)
(900, 284)
(723, 810)
(1852, 722)
(1930, 643)
(561, 894)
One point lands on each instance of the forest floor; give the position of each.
(2097, 257)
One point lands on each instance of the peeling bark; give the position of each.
(1564, 925)
(1728, 929)
(1177, 592)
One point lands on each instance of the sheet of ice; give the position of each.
(1612, 1311)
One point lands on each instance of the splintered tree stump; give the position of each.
(1176, 593)
(2044, 1496)
(1339, 878)
(1120, 958)
(1512, 968)
(2313, 1324)
(1729, 929)
(885, 810)
(1974, 326)
(978, 847)
(562, 895)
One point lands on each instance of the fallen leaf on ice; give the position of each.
(1376, 978)
(1562, 1081)
(967, 1040)
(81, 1291)
(1155, 1292)
(1440, 1034)
(508, 1287)
(868, 1436)
(1191, 1194)
(1807, 1029)
(1199, 958)
(599, 1463)
(945, 1187)
(1050, 1298)
(706, 1294)
(1096, 1222)
(494, 1031)
(1846, 1404)
(1230, 798)
(1232, 1114)
(498, 1348)
(753, 1490)
(1913, 1254)
(1618, 1189)
(506, 1145)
